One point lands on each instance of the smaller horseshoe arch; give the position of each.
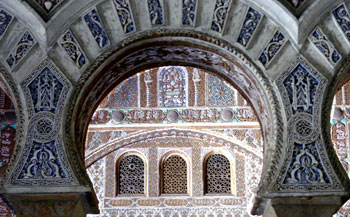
(163, 48)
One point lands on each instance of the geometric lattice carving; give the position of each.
(131, 175)
(174, 175)
(218, 174)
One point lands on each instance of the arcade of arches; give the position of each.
(174, 108)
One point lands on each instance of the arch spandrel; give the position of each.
(302, 89)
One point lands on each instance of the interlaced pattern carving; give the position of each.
(218, 174)
(174, 175)
(131, 175)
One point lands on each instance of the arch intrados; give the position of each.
(176, 47)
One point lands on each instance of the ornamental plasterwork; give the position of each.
(156, 143)
(189, 9)
(172, 87)
(44, 159)
(223, 45)
(24, 45)
(96, 27)
(249, 26)
(342, 17)
(295, 3)
(272, 48)
(5, 20)
(73, 49)
(48, 5)
(155, 9)
(125, 15)
(252, 165)
(326, 47)
(116, 204)
(220, 15)
(301, 87)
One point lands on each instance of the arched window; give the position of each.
(218, 178)
(173, 91)
(174, 175)
(131, 175)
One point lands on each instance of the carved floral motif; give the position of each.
(5, 20)
(249, 26)
(22, 48)
(72, 48)
(97, 29)
(272, 48)
(341, 14)
(155, 12)
(320, 40)
(189, 12)
(220, 15)
(125, 15)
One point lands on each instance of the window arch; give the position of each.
(218, 174)
(174, 174)
(130, 174)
